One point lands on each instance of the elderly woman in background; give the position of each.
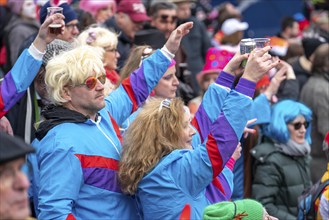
(282, 169)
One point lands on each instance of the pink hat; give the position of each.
(216, 60)
(93, 6)
(135, 9)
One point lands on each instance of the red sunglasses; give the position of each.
(91, 81)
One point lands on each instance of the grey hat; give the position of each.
(55, 48)
(12, 148)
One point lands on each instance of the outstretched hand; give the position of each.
(259, 63)
(176, 36)
(44, 36)
(275, 83)
(248, 130)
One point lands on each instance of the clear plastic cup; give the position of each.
(261, 42)
(55, 28)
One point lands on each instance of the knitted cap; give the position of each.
(55, 48)
(216, 60)
(68, 12)
(247, 208)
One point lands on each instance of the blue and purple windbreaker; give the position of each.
(75, 166)
(182, 177)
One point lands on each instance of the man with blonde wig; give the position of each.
(78, 145)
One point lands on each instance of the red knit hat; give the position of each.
(216, 60)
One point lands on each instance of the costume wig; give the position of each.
(283, 113)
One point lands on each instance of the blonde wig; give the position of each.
(154, 134)
(70, 69)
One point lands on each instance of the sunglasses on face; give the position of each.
(298, 125)
(164, 19)
(91, 81)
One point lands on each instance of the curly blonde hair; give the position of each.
(72, 68)
(154, 134)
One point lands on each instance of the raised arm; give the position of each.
(19, 78)
(134, 90)
(227, 129)
(214, 97)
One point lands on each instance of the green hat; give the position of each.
(247, 209)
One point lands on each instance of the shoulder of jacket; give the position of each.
(263, 151)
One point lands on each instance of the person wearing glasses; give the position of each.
(71, 21)
(282, 163)
(78, 144)
(163, 17)
(106, 40)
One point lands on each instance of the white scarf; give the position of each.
(294, 149)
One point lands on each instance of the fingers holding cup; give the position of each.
(56, 26)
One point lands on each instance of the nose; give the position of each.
(303, 128)
(176, 81)
(21, 182)
(99, 85)
(75, 30)
(192, 131)
(117, 54)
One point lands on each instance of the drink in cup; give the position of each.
(55, 28)
(246, 46)
(261, 42)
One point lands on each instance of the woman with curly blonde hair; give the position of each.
(158, 164)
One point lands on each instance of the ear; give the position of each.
(66, 93)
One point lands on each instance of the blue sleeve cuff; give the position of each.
(246, 87)
(225, 79)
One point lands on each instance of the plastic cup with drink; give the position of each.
(261, 42)
(55, 28)
(249, 44)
